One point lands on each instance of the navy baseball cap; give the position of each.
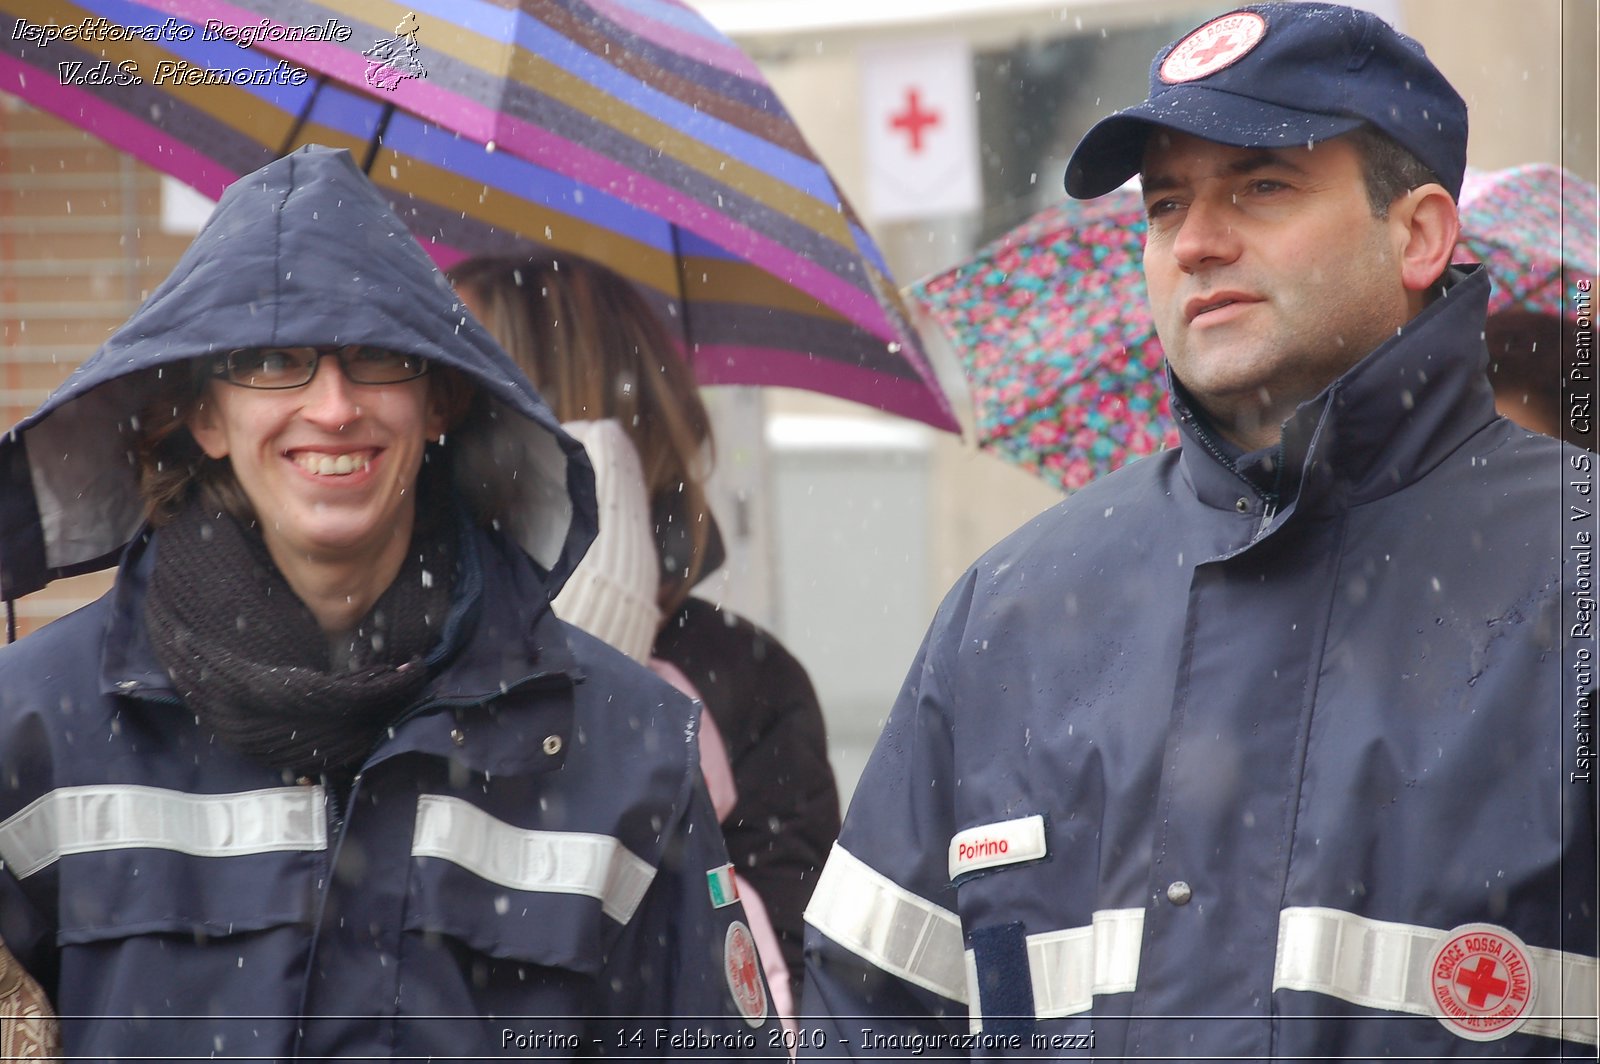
(1272, 75)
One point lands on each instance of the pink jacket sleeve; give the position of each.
(718, 773)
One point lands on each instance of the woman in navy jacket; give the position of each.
(322, 775)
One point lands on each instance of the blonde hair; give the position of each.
(596, 350)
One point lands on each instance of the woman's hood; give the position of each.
(302, 252)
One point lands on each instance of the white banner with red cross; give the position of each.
(920, 120)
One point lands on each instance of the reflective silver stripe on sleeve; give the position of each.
(888, 926)
(1576, 1016)
(974, 997)
(552, 862)
(121, 817)
(1067, 968)
(1070, 967)
(1384, 965)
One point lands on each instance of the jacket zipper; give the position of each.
(1268, 511)
(1269, 501)
(537, 681)
(339, 817)
(338, 823)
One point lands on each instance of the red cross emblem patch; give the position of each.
(743, 967)
(1481, 982)
(1219, 43)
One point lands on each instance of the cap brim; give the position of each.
(1113, 150)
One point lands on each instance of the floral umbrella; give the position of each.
(1055, 334)
(1053, 324)
(1530, 226)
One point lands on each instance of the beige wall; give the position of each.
(80, 247)
(1526, 70)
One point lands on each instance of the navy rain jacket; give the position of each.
(1189, 769)
(520, 867)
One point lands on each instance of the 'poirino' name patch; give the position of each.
(992, 845)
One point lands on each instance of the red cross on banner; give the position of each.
(920, 123)
(914, 119)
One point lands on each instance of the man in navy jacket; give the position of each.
(1259, 748)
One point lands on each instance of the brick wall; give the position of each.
(81, 245)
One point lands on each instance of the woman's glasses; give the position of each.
(293, 367)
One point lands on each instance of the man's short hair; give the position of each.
(1390, 170)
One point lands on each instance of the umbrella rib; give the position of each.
(683, 296)
(300, 119)
(377, 138)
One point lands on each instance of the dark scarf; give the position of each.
(248, 657)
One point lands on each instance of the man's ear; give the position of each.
(1427, 226)
(205, 427)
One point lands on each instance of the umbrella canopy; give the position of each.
(1053, 323)
(1531, 226)
(627, 131)
(1054, 330)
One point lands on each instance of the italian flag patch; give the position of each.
(720, 882)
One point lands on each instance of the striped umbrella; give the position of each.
(627, 131)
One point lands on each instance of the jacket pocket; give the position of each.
(183, 955)
(120, 894)
(125, 859)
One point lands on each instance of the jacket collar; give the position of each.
(1380, 426)
(513, 654)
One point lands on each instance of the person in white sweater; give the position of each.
(612, 595)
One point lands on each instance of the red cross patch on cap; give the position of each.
(1219, 43)
(1480, 982)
